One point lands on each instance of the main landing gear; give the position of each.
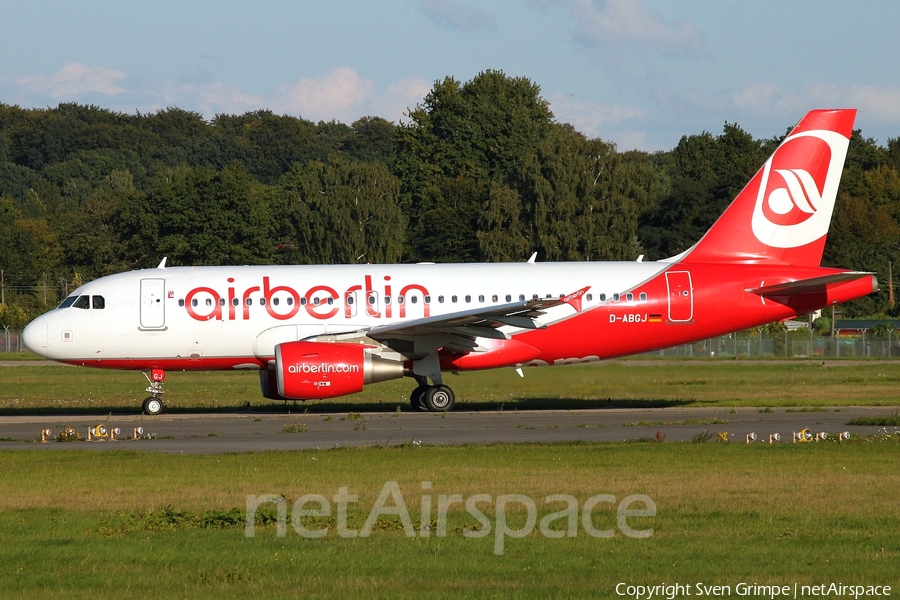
(154, 404)
(432, 398)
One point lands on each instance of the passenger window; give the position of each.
(494, 298)
(414, 299)
(290, 300)
(481, 298)
(275, 301)
(350, 300)
(330, 300)
(508, 298)
(400, 300)
(441, 299)
(98, 302)
(468, 298)
(221, 301)
(521, 297)
(453, 299)
(249, 301)
(82, 302)
(181, 302)
(316, 301)
(427, 299)
(262, 301)
(602, 297)
(235, 301)
(629, 296)
(643, 296)
(616, 297)
(589, 297)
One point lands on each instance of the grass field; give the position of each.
(624, 383)
(123, 524)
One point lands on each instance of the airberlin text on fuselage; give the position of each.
(320, 301)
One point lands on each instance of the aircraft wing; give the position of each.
(458, 330)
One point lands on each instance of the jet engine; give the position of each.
(313, 370)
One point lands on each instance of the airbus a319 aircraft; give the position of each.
(324, 331)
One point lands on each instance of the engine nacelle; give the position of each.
(312, 370)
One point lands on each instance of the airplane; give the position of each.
(323, 331)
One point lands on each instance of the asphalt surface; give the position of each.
(249, 432)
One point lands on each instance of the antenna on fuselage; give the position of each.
(162, 264)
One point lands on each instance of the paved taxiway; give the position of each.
(259, 432)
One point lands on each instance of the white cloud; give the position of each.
(879, 104)
(756, 95)
(452, 15)
(345, 96)
(613, 22)
(399, 98)
(588, 117)
(341, 95)
(212, 98)
(74, 79)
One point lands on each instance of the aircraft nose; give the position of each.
(35, 336)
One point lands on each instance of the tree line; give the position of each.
(479, 171)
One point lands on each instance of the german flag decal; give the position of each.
(655, 318)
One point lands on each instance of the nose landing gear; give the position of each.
(154, 404)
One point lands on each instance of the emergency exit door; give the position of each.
(681, 296)
(153, 304)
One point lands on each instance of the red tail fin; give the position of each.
(783, 214)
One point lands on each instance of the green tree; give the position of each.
(339, 212)
(707, 173)
(199, 217)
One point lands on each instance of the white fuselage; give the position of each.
(205, 315)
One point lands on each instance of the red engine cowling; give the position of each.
(312, 370)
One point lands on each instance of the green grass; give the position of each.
(19, 356)
(116, 523)
(623, 384)
(892, 420)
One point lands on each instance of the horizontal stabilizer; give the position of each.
(806, 286)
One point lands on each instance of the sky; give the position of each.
(639, 73)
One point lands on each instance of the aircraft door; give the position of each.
(153, 303)
(681, 296)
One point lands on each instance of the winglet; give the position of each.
(574, 299)
(162, 264)
(532, 259)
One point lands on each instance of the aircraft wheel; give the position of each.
(152, 406)
(417, 397)
(439, 398)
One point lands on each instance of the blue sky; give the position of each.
(640, 73)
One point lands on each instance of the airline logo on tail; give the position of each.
(798, 188)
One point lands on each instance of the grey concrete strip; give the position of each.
(211, 434)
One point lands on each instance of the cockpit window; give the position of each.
(67, 302)
(82, 302)
(98, 302)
